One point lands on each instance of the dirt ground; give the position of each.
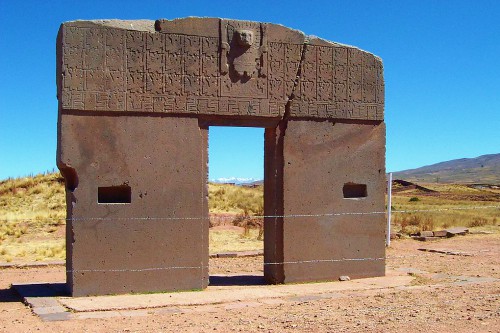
(450, 293)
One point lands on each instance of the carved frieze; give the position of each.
(248, 70)
(339, 82)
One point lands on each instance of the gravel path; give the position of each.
(450, 293)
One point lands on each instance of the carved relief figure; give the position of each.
(242, 51)
(244, 63)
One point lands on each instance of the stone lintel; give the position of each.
(201, 66)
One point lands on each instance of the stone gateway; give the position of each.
(136, 101)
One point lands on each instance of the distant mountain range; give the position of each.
(235, 180)
(480, 170)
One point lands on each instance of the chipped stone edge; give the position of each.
(134, 25)
(147, 25)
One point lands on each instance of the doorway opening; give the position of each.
(236, 205)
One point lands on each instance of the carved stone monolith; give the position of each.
(136, 100)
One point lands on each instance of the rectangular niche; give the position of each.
(121, 194)
(354, 191)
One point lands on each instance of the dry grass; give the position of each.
(36, 250)
(32, 218)
(234, 240)
(452, 205)
(39, 197)
(479, 222)
(235, 199)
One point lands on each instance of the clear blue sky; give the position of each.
(441, 60)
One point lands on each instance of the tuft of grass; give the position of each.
(478, 222)
(413, 223)
(414, 199)
(419, 280)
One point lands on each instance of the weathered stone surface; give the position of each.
(456, 231)
(314, 161)
(136, 100)
(396, 235)
(426, 234)
(196, 66)
(440, 233)
(425, 238)
(227, 255)
(448, 252)
(158, 241)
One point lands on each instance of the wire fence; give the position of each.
(223, 217)
(202, 268)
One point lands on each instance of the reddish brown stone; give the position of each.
(456, 231)
(319, 238)
(440, 233)
(136, 100)
(197, 66)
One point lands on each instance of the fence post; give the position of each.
(389, 208)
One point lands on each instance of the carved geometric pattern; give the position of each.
(339, 82)
(111, 69)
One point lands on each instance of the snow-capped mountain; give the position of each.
(234, 180)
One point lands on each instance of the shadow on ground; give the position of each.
(41, 289)
(9, 295)
(237, 280)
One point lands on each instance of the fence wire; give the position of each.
(224, 217)
(228, 217)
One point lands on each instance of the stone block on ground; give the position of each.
(425, 239)
(456, 231)
(397, 235)
(227, 255)
(440, 233)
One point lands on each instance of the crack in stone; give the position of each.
(286, 115)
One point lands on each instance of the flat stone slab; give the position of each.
(425, 238)
(43, 299)
(225, 294)
(440, 233)
(457, 231)
(51, 302)
(447, 252)
(481, 232)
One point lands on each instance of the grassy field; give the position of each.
(32, 214)
(448, 206)
(32, 218)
